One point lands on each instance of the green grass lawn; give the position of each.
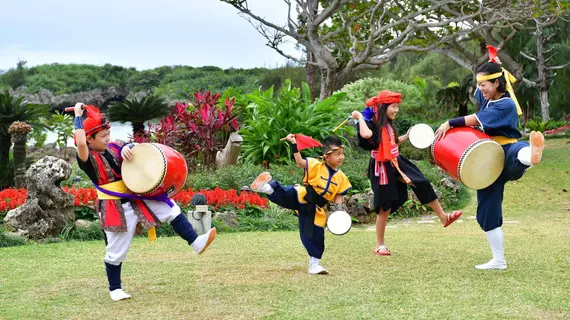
(431, 274)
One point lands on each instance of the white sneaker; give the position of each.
(202, 242)
(317, 269)
(492, 265)
(119, 294)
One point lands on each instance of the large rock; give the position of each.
(97, 97)
(48, 208)
(229, 218)
(229, 155)
(361, 207)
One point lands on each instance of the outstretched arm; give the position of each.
(467, 121)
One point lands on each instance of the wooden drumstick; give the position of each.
(342, 124)
(70, 109)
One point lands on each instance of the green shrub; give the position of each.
(269, 118)
(10, 240)
(357, 92)
(240, 175)
(71, 232)
(273, 219)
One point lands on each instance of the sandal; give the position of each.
(451, 217)
(382, 251)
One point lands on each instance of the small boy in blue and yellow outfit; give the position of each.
(323, 183)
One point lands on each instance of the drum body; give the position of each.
(470, 156)
(339, 223)
(154, 170)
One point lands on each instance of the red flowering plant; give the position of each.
(197, 131)
(245, 202)
(86, 200)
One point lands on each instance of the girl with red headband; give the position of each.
(390, 173)
(101, 160)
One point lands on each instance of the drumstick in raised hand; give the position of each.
(342, 124)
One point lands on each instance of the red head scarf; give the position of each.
(388, 149)
(95, 121)
(388, 97)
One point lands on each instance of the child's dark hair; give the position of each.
(490, 68)
(330, 143)
(383, 120)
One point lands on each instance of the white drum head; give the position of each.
(146, 171)
(339, 223)
(421, 136)
(481, 164)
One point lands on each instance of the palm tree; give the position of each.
(19, 132)
(138, 112)
(14, 109)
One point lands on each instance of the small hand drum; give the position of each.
(421, 136)
(339, 223)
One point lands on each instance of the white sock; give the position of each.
(266, 188)
(495, 238)
(524, 156)
(200, 242)
(314, 261)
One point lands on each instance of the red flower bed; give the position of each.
(12, 198)
(221, 198)
(558, 130)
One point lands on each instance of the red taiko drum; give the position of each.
(154, 170)
(470, 156)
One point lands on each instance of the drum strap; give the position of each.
(380, 170)
(118, 190)
(502, 140)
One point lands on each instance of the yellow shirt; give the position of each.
(326, 181)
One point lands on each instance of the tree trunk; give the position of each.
(311, 74)
(542, 74)
(5, 145)
(330, 80)
(138, 128)
(19, 160)
(544, 105)
(463, 109)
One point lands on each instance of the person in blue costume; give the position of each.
(498, 117)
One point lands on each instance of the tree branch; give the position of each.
(528, 56)
(243, 8)
(559, 67)
(530, 83)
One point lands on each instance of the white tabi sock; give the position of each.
(495, 238)
(524, 156)
(265, 188)
(314, 261)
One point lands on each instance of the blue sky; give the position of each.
(143, 34)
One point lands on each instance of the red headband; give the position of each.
(95, 121)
